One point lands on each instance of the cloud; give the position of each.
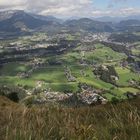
(14, 4)
(66, 8)
(129, 11)
(119, 12)
(61, 7)
(51, 7)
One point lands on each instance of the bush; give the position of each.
(114, 100)
(13, 96)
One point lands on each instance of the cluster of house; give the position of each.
(96, 37)
(61, 36)
(124, 64)
(87, 96)
(35, 64)
(39, 37)
(69, 76)
(92, 98)
(134, 83)
(135, 65)
(24, 74)
(1, 47)
(131, 95)
(38, 63)
(55, 96)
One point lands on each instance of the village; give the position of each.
(66, 51)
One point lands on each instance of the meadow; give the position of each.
(112, 121)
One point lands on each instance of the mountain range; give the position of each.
(19, 22)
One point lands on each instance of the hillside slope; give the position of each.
(107, 122)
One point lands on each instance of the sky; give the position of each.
(75, 8)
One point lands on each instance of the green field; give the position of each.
(136, 50)
(54, 78)
(125, 75)
(101, 54)
(12, 69)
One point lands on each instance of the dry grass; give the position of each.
(109, 122)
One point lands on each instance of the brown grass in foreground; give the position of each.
(109, 122)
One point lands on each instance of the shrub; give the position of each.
(114, 100)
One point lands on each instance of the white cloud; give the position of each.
(101, 13)
(119, 12)
(14, 4)
(7, 3)
(61, 7)
(51, 7)
(129, 10)
(65, 8)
